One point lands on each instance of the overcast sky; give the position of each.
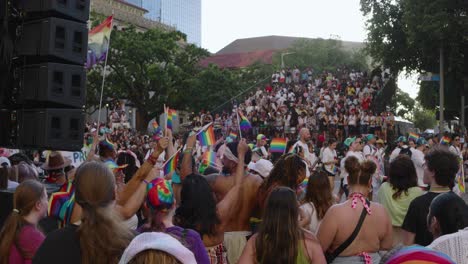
(224, 21)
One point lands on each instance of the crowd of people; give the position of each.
(398, 198)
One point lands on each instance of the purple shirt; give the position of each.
(191, 240)
(29, 240)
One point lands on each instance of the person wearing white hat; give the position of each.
(261, 167)
(155, 247)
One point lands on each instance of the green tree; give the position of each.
(403, 104)
(407, 35)
(150, 69)
(322, 54)
(424, 119)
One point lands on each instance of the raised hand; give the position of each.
(162, 144)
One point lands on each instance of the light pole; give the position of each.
(282, 58)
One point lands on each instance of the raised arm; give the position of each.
(135, 186)
(92, 151)
(186, 168)
(227, 207)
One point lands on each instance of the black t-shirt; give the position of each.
(416, 218)
(60, 246)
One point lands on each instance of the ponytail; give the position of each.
(25, 198)
(359, 173)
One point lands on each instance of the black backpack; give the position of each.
(405, 150)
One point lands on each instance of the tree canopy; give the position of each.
(407, 35)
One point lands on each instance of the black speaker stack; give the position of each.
(43, 47)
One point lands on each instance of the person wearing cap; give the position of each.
(369, 149)
(354, 146)
(236, 229)
(55, 168)
(261, 145)
(401, 143)
(417, 156)
(261, 167)
(161, 203)
(156, 247)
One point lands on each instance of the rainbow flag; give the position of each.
(413, 136)
(171, 164)
(461, 177)
(244, 122)
(278, 145)
(98, 42)
(233, 135)
(304, 183)
(445, 141)
(207, 138)
(61, 203)
(209, 158)
(171, 115)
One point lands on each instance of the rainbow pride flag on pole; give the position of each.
(209, 158)
(98, 42)
(207, 138)
(244, 122)
(278, 145)
(413, 136)
(171, 116)
(171, 164)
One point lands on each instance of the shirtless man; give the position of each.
(237, 228)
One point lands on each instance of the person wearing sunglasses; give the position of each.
(455, 147)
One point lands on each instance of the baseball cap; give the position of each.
(157, 241)
(421, 141)
(380, 141)
(262, 167)
(349, 141)
(370, 137)
(261, 137)
(401, 139)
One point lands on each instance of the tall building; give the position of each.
(184, 15)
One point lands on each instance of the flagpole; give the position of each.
(238, 123)
(104, 73)
(164, 164)
(165, 122)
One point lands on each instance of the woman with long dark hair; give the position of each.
(318, 199)
(101, 234)
(397, 193)
(280, 238)
(289, 171)
(341, 220)
(20, 238)
(200, 211)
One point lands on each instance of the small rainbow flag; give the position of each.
(171, 115)
(244, 122)
(304, 183)
(233, 135)
(445, 141)
(207, 138)
(413, 136)
(278, 145)
(171, 164)
(209, 158)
